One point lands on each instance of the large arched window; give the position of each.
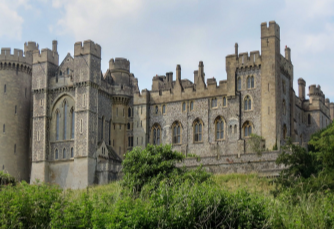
(62, 120)
(176, 131)
(198, 127)
(57, 124)
(247, 128)
(219, 128)
(239, 83)
(250, 82)
(65, 119)
(156, 134)
(247, 103)
(72, 123)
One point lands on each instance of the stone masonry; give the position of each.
(70, 124)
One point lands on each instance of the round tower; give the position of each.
(120, 71)
(15, 111)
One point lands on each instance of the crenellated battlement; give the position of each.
(119, 64)
(88, 47)
(315, 90)
(46, 55)
(30, 46)
(17, 56)
(268, 31)
(245, 59)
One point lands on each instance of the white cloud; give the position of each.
(11, 26)
(157, 35)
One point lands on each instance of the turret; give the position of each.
(178, 73)
(301, 88)
(331, 110)
(54, 46)
(270, 74)
(288, 53)
(119, 64)
(327, 102)
(87, 57)
(29, 47)
(169, 76)
(120, 70)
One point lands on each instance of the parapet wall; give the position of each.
(30, 46)
(272, 30)
(119, 64)
(17, 56)
(88, 47)
(246, 163)
(46, 55)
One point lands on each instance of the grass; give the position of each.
(250, 182)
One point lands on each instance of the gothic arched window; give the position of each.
(214, 102)
(197, 129)
(176, 131)
(65, 119)
(57, 124)
(247, 103)
(72, 123)
(250, 82)
(156, 134)
(219, 127)
(164, 109)
(248, 129)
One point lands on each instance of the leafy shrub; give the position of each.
(27, 206)
(6, 179)
(140, 166)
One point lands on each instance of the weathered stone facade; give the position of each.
(73, 124)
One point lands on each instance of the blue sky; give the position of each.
(156, 35)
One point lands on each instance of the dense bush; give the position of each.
(6, 179)
(141, 166)
(168, 197)
(27, 206)
(309, 170)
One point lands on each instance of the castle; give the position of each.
(71, 124)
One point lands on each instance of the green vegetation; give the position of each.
(156, 194)
(6, 179)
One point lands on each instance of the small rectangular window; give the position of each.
(4, 128)
(14, 148)
(25, 92)
(15, 109)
